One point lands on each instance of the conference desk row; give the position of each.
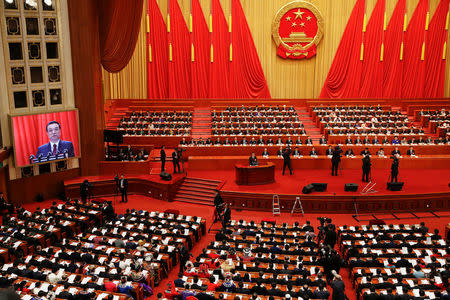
(305, 149)
(319, 162)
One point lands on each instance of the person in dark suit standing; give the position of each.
(335, 160)
(394, 168)
(253, 161)
(176, 161)
(123, 186)
(163, 158)
(287, 159)
(180, 157)
(338, 287)
(366, 168)
(55, 145)
(226, 216)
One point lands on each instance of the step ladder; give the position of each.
(297, 207)
(276, 205)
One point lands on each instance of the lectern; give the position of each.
(252, 175)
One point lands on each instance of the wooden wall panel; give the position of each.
(87, 76)
(288, 79)
(51, 185)
(4, 176)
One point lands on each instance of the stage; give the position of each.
(423, 190)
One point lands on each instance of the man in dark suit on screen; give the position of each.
(56, 145)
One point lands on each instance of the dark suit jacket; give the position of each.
(62, 146)
(125, 184)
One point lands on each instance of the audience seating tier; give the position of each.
(305, 150)
(321, 162)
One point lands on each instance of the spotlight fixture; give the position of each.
(48, 2)
(9, 1)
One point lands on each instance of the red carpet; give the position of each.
(416, 181)
(150, 204)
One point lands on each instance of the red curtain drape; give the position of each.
(372, 71)
(119, 25)
(179, 68)
(30, 133)
(392, 64)
(343, 80)
(247, 78)
(157, 54)
(434, 56)
(413, 65)
(219, 84)
(201, 45)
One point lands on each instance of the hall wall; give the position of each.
(287, 79)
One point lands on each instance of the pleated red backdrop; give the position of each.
(157, 54)
(372, 70)
(434, 52)
(344, 77)
(414, 65)
(119, 25)
(219, 83)
(392, 64)
(246, 75)
(201, 56)
(180, 65)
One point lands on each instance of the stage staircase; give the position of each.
(201, 123)
(197, 191)
(310, 127)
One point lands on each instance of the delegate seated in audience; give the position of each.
(308, 141)
(380, 152)
(365, 152)
(296, 152)
(253, 161)
(349, 152)
(280, 152)
(329, 151)
(348, 140)
(313, 152)
(395, 141)
(395, 152)
(411, 151)
(265, 153)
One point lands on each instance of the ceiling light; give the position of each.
(32, 3)
(9, 1)
(48, 2)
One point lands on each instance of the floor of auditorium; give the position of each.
(151, 204)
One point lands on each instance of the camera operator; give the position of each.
(84, 191)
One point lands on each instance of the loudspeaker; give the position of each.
(351, 187)
(320, 187)
(307, 189)
(165, 176)
(395, 186)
